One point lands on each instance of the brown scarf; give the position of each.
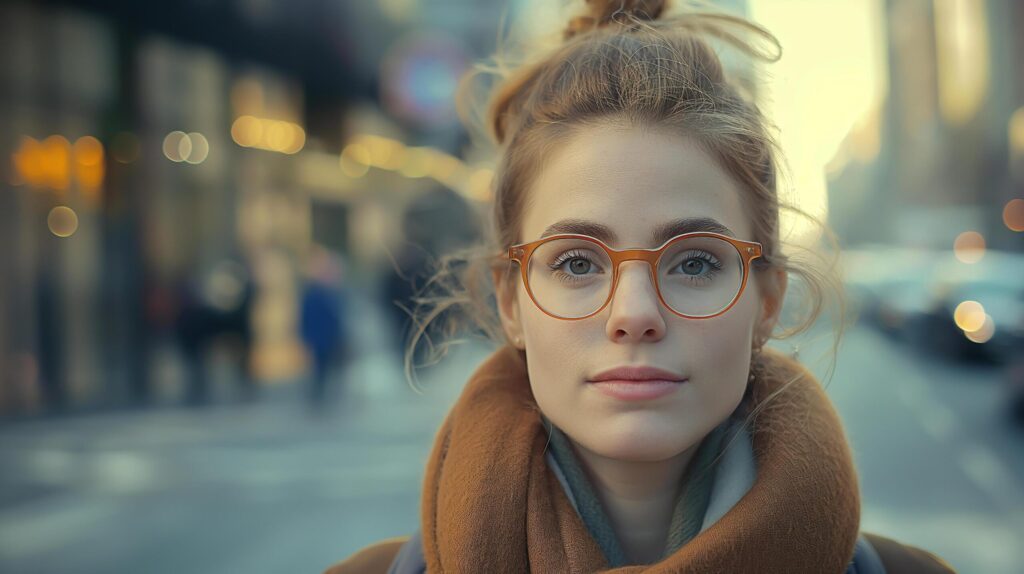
(492, 504)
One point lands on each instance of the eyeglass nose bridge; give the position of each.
(650, 256)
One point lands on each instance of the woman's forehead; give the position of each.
(631, 181)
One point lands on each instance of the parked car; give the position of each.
(912, 295)
(1014, 385)
(997, 284)
(886, 284)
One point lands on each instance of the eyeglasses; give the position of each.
(696, 275)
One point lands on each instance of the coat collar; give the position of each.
(491, 502)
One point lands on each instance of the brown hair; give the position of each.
(626, 61)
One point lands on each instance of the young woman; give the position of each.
(633, 419)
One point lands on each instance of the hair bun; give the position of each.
(601, 13)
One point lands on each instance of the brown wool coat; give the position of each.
(897, 558)
(491, 503)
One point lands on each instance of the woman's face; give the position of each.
(632, 181)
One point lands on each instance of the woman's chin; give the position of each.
(640, 444)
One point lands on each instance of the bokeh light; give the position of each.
(420, 76)
(28, 164)
(267, 134)
(479, 185)
(200, 148)
(444, 167)
(385, 153)
(192, 148)
(298, 140)
(278, 136)
(962, 58)
(88, 151)
(417, 162)
(969, 247)
(369, 150)
(984, 332)
(177, 146)
(1013, 214)
(56, 162)
(969, 315)
(89, 165)
(355, 160)
(1015, 130)
(62, 221)
(247, 131)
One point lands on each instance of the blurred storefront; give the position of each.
(179, 154)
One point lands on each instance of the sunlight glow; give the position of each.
(830, 78)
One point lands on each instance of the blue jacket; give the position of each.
(409, 559)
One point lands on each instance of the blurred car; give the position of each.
(975, 311)
(913, 295)
(1014, 385)
(887, 285)
(898, 304)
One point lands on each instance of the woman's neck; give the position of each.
(639, 498)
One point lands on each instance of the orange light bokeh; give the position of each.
(271, 135)
(984, 332)
(969, 316)
(56, 159)
(969, 247)
(89, 166)
(1013, 214)
(55, 163)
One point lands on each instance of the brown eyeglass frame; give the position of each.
(748, 251)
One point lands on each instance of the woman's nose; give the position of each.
(635, 307)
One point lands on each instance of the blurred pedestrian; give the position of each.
(322, 316)
(215, 309)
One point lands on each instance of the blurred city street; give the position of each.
(264, 487)
(215, 218)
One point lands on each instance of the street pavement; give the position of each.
(274, 486)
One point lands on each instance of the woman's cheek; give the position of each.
(724, 356)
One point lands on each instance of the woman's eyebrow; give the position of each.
(661, 233)
(666, 231)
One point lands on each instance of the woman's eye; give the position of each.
(698, 266)
(693, 266)
(579, 266)
(575, 263)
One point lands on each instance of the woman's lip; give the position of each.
(628, 390)
(636, 373)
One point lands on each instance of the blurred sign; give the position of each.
(419, 79)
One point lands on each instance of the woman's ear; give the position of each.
(508, 307)
(773, 293)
